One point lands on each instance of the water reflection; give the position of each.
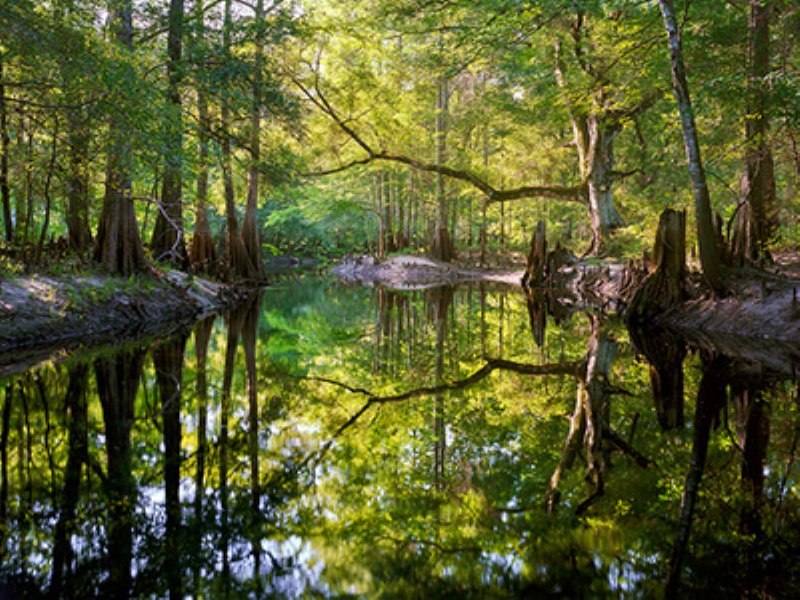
(331, 440)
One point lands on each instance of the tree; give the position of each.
(168, 241)
(441, 245)
(250, 235)
(5, 189)
(709, 252)
(118, 247)
(758, 218)
(237, 259)
(201, 253)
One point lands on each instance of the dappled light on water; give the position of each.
(328, 439)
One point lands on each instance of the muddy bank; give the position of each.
(761, 308)
(408, 272)
(42, 315)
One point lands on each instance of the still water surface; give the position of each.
(326, 440)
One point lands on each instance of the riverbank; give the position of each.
(409, 272)
(42, 315)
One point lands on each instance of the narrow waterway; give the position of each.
(324, 439)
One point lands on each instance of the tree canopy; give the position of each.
(319, 128)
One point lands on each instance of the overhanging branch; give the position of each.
(575, 368)
(574, 193)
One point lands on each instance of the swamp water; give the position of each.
(326, 440)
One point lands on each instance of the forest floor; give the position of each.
(42, 315)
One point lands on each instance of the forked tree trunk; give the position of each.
(168, 243)
(594, 134)
(118, 247)
(597, 163)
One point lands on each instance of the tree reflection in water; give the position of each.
(469, 442)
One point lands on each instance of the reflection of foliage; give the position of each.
(371, 518)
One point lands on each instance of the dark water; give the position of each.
(324, 440)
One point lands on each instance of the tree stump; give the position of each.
(664, 287)
(535, 270)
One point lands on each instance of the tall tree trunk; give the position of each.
(753, 433)
(378, 183)
(79, 234)
(442, 247)
(168, 362)
(440, 301)
(202, 254)
(118, 247)
(47, 186)
(388, 209)
(5, 141)
(249, 339)
(117, 385)
(250, 235)
(238, 261)
(760, 219)
(709, 253)
(168, 242)
(77, 455)
(710, 399)
(202, 337)
(78, 138)
(235, 323)
(4, 432)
